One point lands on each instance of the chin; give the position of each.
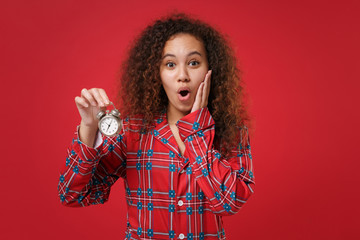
(185, 109)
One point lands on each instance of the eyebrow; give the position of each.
(172, 55)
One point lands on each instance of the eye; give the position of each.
(194, 63)
(170, 64)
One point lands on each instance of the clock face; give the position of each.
(109, 126)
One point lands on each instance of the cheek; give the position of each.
(167, 87)
(167, 81)
(199, 78)
(164, 81)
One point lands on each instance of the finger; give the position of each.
(86, 94)
(97, 96)
(198, 97)
(81, 101)
(104, 96)
(205, 94)
(209, 83)
(200, 93)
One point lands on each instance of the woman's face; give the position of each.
(183, 67)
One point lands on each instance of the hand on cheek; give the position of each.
(202, 95)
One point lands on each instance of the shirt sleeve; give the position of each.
(98, 139)
(89, 172)
(227, 183)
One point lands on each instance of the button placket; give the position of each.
(183, 163)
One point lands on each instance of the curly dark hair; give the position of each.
(140, 88)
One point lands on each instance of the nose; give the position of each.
(183, 75)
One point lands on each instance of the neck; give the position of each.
(174, 115)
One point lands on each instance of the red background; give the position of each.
(301, 67)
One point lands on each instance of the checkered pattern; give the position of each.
(169, 196)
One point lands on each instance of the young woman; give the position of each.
(183, 151)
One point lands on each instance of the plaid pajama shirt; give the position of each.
(169, 196)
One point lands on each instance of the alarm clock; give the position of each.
(109, 124)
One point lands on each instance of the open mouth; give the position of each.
(183, 93)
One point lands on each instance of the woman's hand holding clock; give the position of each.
(89, 104)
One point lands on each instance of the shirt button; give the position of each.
(180, 203)
(181, 236)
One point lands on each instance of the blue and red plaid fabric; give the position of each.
(169, 196)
